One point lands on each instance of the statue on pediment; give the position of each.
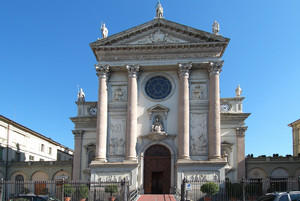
(104, 31)
(159, 10)
(238, 91)
(81, 96)
(216, 27)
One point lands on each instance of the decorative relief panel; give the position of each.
(158, 37)
(117, 135)
(118, 93)
(113, 177)
(198, 91)
(198, 134)
(202, 176)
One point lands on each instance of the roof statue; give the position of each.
(159, 10)
(216, 27)
(81, 96)
(104, 31)
(238, 91)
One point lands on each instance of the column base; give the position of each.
(184, 158)
(131, 159)
(215, 158)
(101, 160)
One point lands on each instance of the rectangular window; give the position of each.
(31, 158)
(1, 152)
(50, 150)
(58, 157)
(42, 147)
(41, 159)
(18, 157)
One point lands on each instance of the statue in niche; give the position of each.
(118, 94)
(81, 96)
(157, 127)
(198, 92)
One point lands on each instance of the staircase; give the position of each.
(163, 197)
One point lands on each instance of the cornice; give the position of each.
(234, 118)
(91, 103)
(232, 99)
(84, 122)
(147, 47)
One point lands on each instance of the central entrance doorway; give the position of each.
(157, 170)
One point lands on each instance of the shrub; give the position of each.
(210, 188)
(68, 190)
(25, 190)
(111, 189)
(45, 191)
(234, 190)
(83, 191)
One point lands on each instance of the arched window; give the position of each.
(19, 187)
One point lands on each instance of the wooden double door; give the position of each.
(157, 170)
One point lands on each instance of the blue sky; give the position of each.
(45, 54)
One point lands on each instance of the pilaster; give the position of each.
(78, 134)
(240, 157)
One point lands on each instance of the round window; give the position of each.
(158, 87)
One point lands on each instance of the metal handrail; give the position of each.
(176, 193)
(134, 194)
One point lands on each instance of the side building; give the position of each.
(28, 155)
(277, 173)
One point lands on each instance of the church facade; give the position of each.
(159, 117)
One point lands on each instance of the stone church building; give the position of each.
(159, 117)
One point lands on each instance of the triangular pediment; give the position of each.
(159, 32)
(158, 108)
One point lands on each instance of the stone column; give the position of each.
(131, 128)
(101, 135)
(214, 117)
(183, 111)
(78, 134)
(240, 152)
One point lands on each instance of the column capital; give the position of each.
(215, 67)
(240, 131)
(184, 69)
(77, 133)
(133, 70)
(102, 71)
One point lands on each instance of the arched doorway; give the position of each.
(157, 170)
